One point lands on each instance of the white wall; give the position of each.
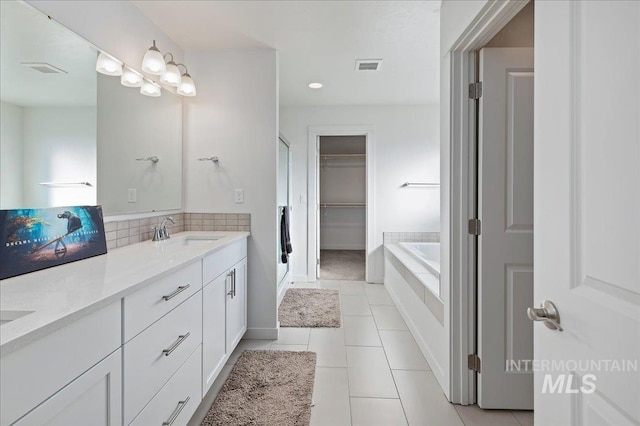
(11, 156)
(235, 117)
(59, 146)
(118, 27)
(455, 17)
(406, 149)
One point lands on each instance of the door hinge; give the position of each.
(473, 362)
(475, 90)
(475, 226)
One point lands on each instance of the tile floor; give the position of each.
(370, 372)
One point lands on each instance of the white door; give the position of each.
(587, 211)
(505, 208)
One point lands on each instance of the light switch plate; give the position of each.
(132, 195)
(239, 196)
(303, 199)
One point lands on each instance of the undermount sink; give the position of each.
(8, 316)
(194, 240)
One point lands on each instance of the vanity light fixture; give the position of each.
(171, 75)
(187, 87)
(153, 61)
(108, 65)
(150, 88)
(315, 85)
(169, 72)
(131, 77)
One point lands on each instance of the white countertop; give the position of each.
(60, 295)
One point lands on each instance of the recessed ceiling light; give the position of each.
(315, 85)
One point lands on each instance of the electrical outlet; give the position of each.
(303, 199)
(239, 196)
(132, 195)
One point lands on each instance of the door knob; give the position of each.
(548, 313)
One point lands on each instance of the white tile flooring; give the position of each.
(370, 371)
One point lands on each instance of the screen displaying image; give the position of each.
(34, 239)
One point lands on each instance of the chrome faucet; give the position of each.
(160, 233)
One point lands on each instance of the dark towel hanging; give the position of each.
(285, 238)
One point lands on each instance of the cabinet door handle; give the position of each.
(230, 292)
(234, 283)
(176, 292)
(177, 343)
(176, 412)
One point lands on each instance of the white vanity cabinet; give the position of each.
(214, 344)
(224, 308)
(94, 398)
(58, 368)
(237, 304)
(148, 357)
(178, 399)
(153, 356)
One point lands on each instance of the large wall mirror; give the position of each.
(71, 136)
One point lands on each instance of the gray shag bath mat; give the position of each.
(342, 265)
(266, 388)
(310, 307)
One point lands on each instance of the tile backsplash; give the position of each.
(410, 237)
(124, 232)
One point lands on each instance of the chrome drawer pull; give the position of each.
(231, 292)
(176, 412)
(177, 292)
(234, 282)
(177, 343)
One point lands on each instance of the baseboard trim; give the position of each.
(300, 279)
(261, 334)
(282, 290)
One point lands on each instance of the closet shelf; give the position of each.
(342, 205)
(342, 156)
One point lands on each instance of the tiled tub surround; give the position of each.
(423, 279)
(411, 285)
(121, 233)
(410, 237)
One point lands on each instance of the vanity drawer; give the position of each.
(178, 399)
(147, 305)
(154, 355)
(218, 262)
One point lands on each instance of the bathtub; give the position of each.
(427, 253)
(412, 278)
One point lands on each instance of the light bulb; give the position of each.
(131, 78)
(149, 88)
(171, 76)
(108, 65)
(187, 86)
(153, 62)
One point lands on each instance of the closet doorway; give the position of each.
(342, 223)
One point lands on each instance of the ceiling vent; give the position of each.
(368, 64)
(44, 67)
